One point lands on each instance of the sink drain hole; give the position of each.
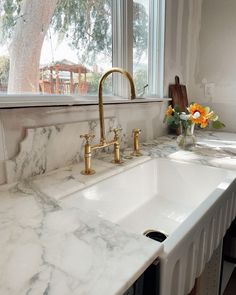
(155, 235)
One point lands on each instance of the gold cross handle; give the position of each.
(87, 137)
(116, 132)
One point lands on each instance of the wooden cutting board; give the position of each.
(178, 93)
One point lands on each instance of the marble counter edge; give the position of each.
(69, 180)
(137, 249)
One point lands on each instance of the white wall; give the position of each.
(200, 48)
(182, 19)
(216, 62)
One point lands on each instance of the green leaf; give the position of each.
(170, 120)
(217, 124)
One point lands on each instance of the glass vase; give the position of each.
(186, 140)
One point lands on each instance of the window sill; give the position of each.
(21, 101)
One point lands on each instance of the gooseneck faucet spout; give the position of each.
(100, 96)
(88, 148)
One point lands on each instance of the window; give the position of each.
(140, 43)
(78, 47)
(64, 48)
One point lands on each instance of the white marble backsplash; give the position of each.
(51, 147)
(42, 139)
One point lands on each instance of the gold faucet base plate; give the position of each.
(89, 172)
(136, 154)
(117, 162)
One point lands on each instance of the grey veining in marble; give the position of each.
(47, 148)
(216, 149)
(47, 250)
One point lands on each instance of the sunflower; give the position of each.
(198, 114)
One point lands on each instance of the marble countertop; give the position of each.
(46, 248)
(216, 149)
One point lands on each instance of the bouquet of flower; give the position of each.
(194, 115)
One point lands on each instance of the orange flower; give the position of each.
(198, 114)
(169, 111)
(204, 123)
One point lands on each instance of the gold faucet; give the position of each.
(136, 151)
(88, 148)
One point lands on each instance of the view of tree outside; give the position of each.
(140, 44)
(70, 31)
(4, 71)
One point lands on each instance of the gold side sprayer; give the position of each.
(136, 150)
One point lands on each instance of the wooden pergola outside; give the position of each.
(55, 85)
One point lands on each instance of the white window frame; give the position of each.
(122, 56)
(123, 45)
(156, 48)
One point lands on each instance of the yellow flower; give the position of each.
(198, 114)
(169, 111)
(210, 115)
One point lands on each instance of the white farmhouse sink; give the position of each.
(158, 194)
(193, 204)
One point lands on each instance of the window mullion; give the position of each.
(122, 52)
(156, 47)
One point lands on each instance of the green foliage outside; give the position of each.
(140, 80)
(9, 13)
(140, 31)
(86, 26)
(4, 69)
(93, 80)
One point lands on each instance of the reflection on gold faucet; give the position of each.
(103, 142)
